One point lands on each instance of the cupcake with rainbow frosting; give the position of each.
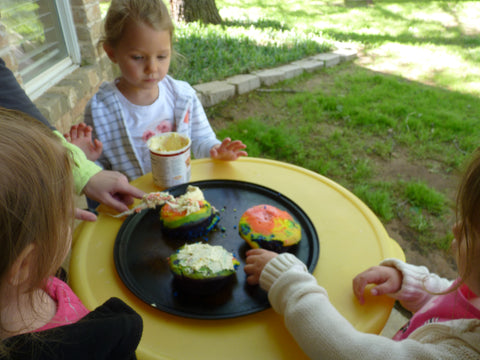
(267, 227)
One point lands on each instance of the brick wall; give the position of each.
(63, 103)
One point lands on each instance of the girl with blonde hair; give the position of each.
(40, 316)
(144, 100)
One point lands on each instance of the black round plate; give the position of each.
(141, 252)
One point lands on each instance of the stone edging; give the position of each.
(215, 92)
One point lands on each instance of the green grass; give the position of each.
(417, 96)
(238, 47)
(420, 195)
(346, 133)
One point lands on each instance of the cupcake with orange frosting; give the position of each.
(267, 227)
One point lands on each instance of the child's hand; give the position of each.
(228, 150)
(84, 215)
(112, 189)
(81, 136)
(255, 262)
(388, 281)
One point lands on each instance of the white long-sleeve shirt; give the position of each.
(323, 333)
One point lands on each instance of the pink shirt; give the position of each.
(454, 305)
(69, 307)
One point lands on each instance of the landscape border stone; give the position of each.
(270, 76)
(214, 92)
(346, 54)
(244, 83)
(329, 59)
(309, 65)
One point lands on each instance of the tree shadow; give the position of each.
(450, 35)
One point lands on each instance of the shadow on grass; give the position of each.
(439, 34)
(259, 24)
(242, 45)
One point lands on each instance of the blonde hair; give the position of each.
(36, 196)
(151, 12)
(468, 212)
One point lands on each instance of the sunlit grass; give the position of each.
(429, 41)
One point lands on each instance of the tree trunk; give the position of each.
(193, 10)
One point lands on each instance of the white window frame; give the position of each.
(42, 82)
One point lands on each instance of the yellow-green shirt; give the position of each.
(84, 169)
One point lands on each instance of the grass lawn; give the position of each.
(411, 97)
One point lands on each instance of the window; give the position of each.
(41, 37)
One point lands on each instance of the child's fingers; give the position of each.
(359, 285)
(213, 153)
(250, 252)
(238, 144)
(370, 276)
(235, 146)
(87, 131)
(73, 132)
(385, 288)
(98, 145)
(231, 153)
(241, 153)
(84, 215)
(225, 143)
(387, 279)
(253, 275)
(236, 149)
(253, 280)
(83, 127)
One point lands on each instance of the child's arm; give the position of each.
(412, 285)
(202, 135)
(419, 285)
(323, 333)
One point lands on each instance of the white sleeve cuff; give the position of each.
(276, 267)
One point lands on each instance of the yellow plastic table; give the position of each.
(351, 240)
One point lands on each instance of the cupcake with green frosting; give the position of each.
(202, 268)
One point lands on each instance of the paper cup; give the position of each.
(170, 156)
